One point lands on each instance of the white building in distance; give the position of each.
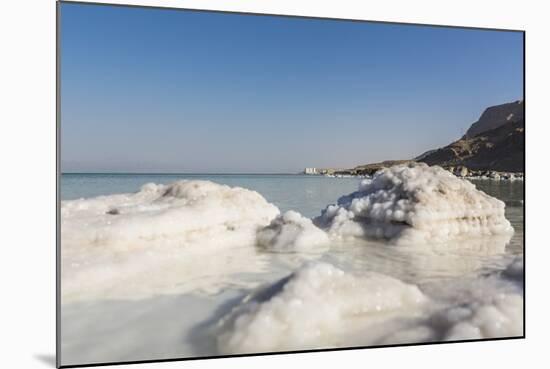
(311, 171)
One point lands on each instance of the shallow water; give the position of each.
(305, 194)
(176, 316)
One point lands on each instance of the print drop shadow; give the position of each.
(48, 359)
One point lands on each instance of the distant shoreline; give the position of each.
(367, 171)
(180, 174)
(341, 173)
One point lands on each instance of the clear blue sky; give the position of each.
(150, 90)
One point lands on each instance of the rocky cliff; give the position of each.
(496, 116)
(495, 142)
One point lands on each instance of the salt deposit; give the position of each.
(321, 306)
(502, 317)
(177, 213)
(124, 245)
(292, 232)
(318, 305)
(415, 203)
(490, 306)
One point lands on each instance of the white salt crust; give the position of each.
(321, 306)
(292, 232)
(415, 203)
(501, 317)
(127, 245)
(314, 307)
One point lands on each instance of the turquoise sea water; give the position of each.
(303, 193)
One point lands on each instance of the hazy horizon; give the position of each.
(167, 91)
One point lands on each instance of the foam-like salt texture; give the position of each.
(124, 245)
(502, 317)
(415, 203)
(318, 305)
(489, 306)
(321, 306)
(499, 316)
(292, 232)
(493, 307)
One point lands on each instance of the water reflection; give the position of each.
(420, 263)
(159, 271)
(511, 192)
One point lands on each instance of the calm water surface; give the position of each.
(306, 194)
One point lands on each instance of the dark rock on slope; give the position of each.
(495, 142)
(370, 169)
(493, 147)
(496, 116)
(499, 149)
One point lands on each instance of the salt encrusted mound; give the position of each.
(487, 307)
(291, 232)
(502, 317)
(316, 306)
(415, 203)
(132, 245)
(494, 308)
(321, 306)
(177, 213)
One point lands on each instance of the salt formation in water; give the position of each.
(291, 232)
(120, 244)
(316, 306)
(415, 203)
(178, 213)
(492, 307)
(502, 317)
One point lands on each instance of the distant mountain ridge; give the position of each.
(495, 142)
(495, 116)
